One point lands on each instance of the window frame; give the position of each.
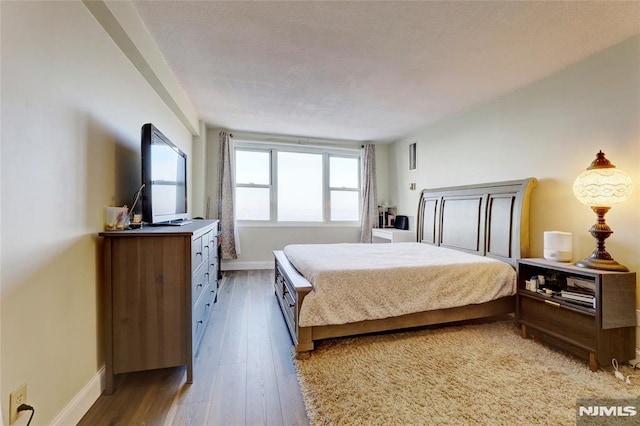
(327, 153)
(329, 189)
(257, 185)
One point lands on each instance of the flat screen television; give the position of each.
(164, 179)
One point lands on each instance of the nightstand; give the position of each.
(599, 331)
(392, 235)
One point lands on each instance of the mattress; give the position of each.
(358, 282)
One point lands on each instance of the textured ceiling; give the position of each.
(370, 71)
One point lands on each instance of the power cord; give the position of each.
(25, 407)
(618, 374)
(136, 198)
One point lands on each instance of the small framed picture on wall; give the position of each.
(413, 156)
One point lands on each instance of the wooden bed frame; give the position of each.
(489, 220)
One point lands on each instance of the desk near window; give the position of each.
(392, 235)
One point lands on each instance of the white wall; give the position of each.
(72, 109)
(551, 130)
(199, 172)
(382, 175)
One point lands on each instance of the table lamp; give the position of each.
(600, 187)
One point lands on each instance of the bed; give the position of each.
(478, 227)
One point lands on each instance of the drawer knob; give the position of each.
(199, 285)
(291, 305)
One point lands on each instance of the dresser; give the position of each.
(160, 284)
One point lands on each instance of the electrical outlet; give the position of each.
(17, 397)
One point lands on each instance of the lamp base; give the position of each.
(600, 258)
(604, 264)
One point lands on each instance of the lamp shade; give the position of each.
(602, 185)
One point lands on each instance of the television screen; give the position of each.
(164, 175)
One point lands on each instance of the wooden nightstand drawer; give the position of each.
(546, 316)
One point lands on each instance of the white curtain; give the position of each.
(230, 243)
(369, 215)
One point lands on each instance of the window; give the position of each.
(290, 184)
(299, 187)
(253, 185)
(344, 185)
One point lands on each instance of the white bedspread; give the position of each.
(356, 282)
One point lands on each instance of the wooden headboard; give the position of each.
(490, 219)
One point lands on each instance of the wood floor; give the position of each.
(243, 372)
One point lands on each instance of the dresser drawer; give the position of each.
(210, 242)
(197, 255)
(199, 282)
(209, 299)
(213, 270)
(206, 244)
(199, 322)
(201, 311)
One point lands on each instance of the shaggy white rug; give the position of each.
(465, 374)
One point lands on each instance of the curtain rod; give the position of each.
(265, 137)
(292, 141)
(257, 143)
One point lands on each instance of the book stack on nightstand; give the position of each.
(579, 291)
(588, 312)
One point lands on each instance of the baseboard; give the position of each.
(80, 404)
(233, 265)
